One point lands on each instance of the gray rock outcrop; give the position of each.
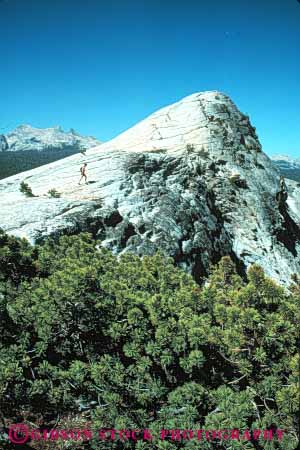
(191, 181)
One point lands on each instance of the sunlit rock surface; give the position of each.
(190, 180)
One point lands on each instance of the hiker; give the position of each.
(83, 173)
(283, 186)
(282, 195)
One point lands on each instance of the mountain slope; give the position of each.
(191, 181)
(26, 147)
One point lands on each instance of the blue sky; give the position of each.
(102, 66)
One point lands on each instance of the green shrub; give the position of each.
(138, 344)
(54, 193)
(26, 189)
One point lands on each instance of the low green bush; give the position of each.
(136, 343)
(26, 189)
(54, 193)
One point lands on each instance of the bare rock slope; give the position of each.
(190, 180)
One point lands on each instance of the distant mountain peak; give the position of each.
(284, 157)
(24, 127)
(288, 166)
(286, 161)
(26, 137)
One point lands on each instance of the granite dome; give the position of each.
(190, 180)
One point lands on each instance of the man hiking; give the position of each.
(83, 173)
(282, 195)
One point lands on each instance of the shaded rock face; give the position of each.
(191, 181)
(3, 143)
(26, 137)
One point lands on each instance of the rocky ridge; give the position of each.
(190, 180)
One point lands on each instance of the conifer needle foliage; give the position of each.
(135, 343)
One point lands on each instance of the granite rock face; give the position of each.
(26, 137)
(190, 180)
